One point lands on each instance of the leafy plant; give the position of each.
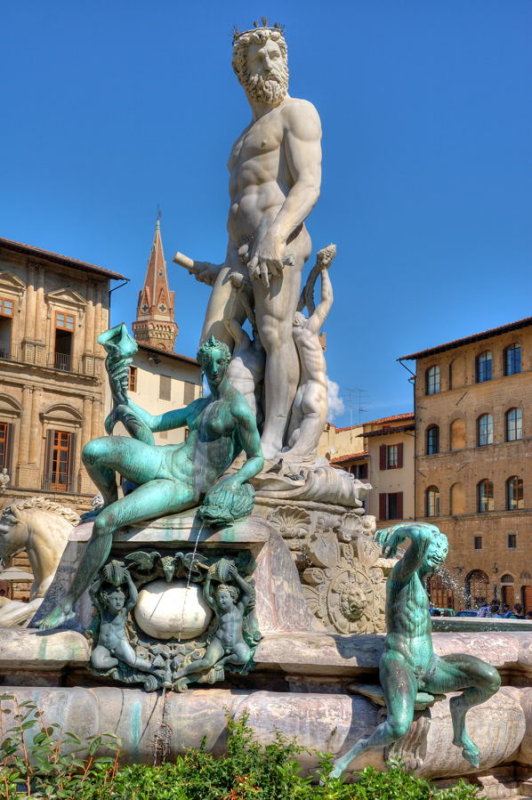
(36, 763)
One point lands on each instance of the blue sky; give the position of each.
(111, 108)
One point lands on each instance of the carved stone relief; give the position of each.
(343, 578)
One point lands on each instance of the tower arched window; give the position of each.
(484, 430)
(514, 493)
(433, 440)
(514, 424)
(432, 380)
(485, 501)
(432, 502)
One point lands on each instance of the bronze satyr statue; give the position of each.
(408, 665)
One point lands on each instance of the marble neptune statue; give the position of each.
(275, 176)
(169, 478)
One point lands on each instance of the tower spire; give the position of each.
(155, 325)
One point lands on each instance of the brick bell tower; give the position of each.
(155, 325)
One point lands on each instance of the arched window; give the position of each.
(485, 496)
(457, 499)
(514, 493)
(484, 430)
(432, 380)
(514, 424)
(476, 586)
(458, 434)
(512, 359)
(484, 367)
(432, 502)
(433, 440)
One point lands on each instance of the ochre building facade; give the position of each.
(473, 461)
(380, 452)
(52, 387)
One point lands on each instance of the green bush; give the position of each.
(35, 764)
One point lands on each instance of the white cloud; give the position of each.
(336, 404)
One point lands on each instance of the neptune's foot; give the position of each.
(56, 618)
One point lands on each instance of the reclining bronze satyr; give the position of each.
(409, 666)
(169, 478)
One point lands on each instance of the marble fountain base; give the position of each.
(308, 683)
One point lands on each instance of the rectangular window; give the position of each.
(165, 387)
(132, 379)
(188, 392)
(390, 505)
(478, 543)
(360, 471)
(512, 541)
(6, 431)
(64, 322)
(64, 337)
(60, 461)
(391, 456)
(6, 307)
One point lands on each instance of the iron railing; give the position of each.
(63, 361)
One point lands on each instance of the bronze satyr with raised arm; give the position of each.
(409, 665)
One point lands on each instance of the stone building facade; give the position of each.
(473, 460)
(52, 387)
(380, 452)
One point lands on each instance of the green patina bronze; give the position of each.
(235, 635)
(409, 669)
(123, 651)
(169, 478)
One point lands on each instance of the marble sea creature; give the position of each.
(40, 527)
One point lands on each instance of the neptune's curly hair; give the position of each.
(213, 344)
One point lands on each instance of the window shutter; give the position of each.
(188, 393)
(382, 456)
(48, 459)
(400, 455)
(400, 504)
(165, 387)
(71, 464)
(9, 460)
(382, 506)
